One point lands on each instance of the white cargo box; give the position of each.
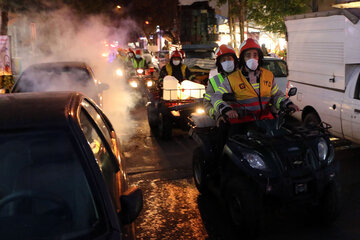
(172, 90)
(320, 45)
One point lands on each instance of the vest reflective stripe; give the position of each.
(222, 90)
(216, 81)
(211, 112)
(277, 105)
(207, 96)
(217, 103)
(135, 64)
(170, 71)
(275, 90)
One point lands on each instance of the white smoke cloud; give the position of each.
(62, 36)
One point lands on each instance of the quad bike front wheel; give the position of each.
(328, 208)
(244, 206)
(199, 170)
(165, 126)
(153, 116)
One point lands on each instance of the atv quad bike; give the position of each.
(265, 163)
(166, 113)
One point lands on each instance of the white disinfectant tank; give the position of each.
(191, 89)
(170, 87)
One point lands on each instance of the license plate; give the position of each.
(300, 188)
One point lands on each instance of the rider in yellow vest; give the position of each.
(226, 63)
(253, 86)
(138, 61)
(176, 68)
(130, 56)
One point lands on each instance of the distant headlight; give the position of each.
(149, 83)
(255, 160)
(322, 149)
(140, 70)
(133, 84)
(119, 72)
(200, 111)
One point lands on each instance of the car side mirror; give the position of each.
(292, 91)
(131, 204)
(103, 86)
(229, 97)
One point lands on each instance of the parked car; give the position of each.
(280, 70)
(324, 60)
(61, 76)
(61, 170)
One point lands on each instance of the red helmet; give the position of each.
(130, 50)
(250, 44)
(224, 49)
(176, 53)
(138, 52)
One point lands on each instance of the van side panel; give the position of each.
(316, 51)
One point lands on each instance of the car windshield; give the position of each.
(277, 67)
(44, 79)
(44, 193)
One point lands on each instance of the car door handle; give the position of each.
(357, 110)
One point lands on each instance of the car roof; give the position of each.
(59, 65)
(37, 110)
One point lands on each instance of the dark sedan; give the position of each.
(61, 170)
(61, 76)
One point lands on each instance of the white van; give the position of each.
(324, 65)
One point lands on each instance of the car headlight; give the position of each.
(133, 84)
(140, 70)
(119, 72)
(322, 149)
(200, 111)
(149, 83)
(255, 160)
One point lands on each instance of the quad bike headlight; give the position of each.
(140, 70)
(255, 160)
(149, 83)
(119, 72)
(322, 149)
(134, 84)
(200, 111)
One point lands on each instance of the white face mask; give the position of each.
(228, 66)
(131, 55)
(138, 56)
(252, 64)
(176, 62)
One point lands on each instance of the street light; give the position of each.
(147, 22)
(118, 6)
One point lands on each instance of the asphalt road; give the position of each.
(173, 208)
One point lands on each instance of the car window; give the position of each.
(103, 126)
(41, 79)
(277, 67)
(357, 88)
(102, 153)
(44, 186)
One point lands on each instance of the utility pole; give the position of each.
(242, 6)
(231, 24)
(4, 18)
